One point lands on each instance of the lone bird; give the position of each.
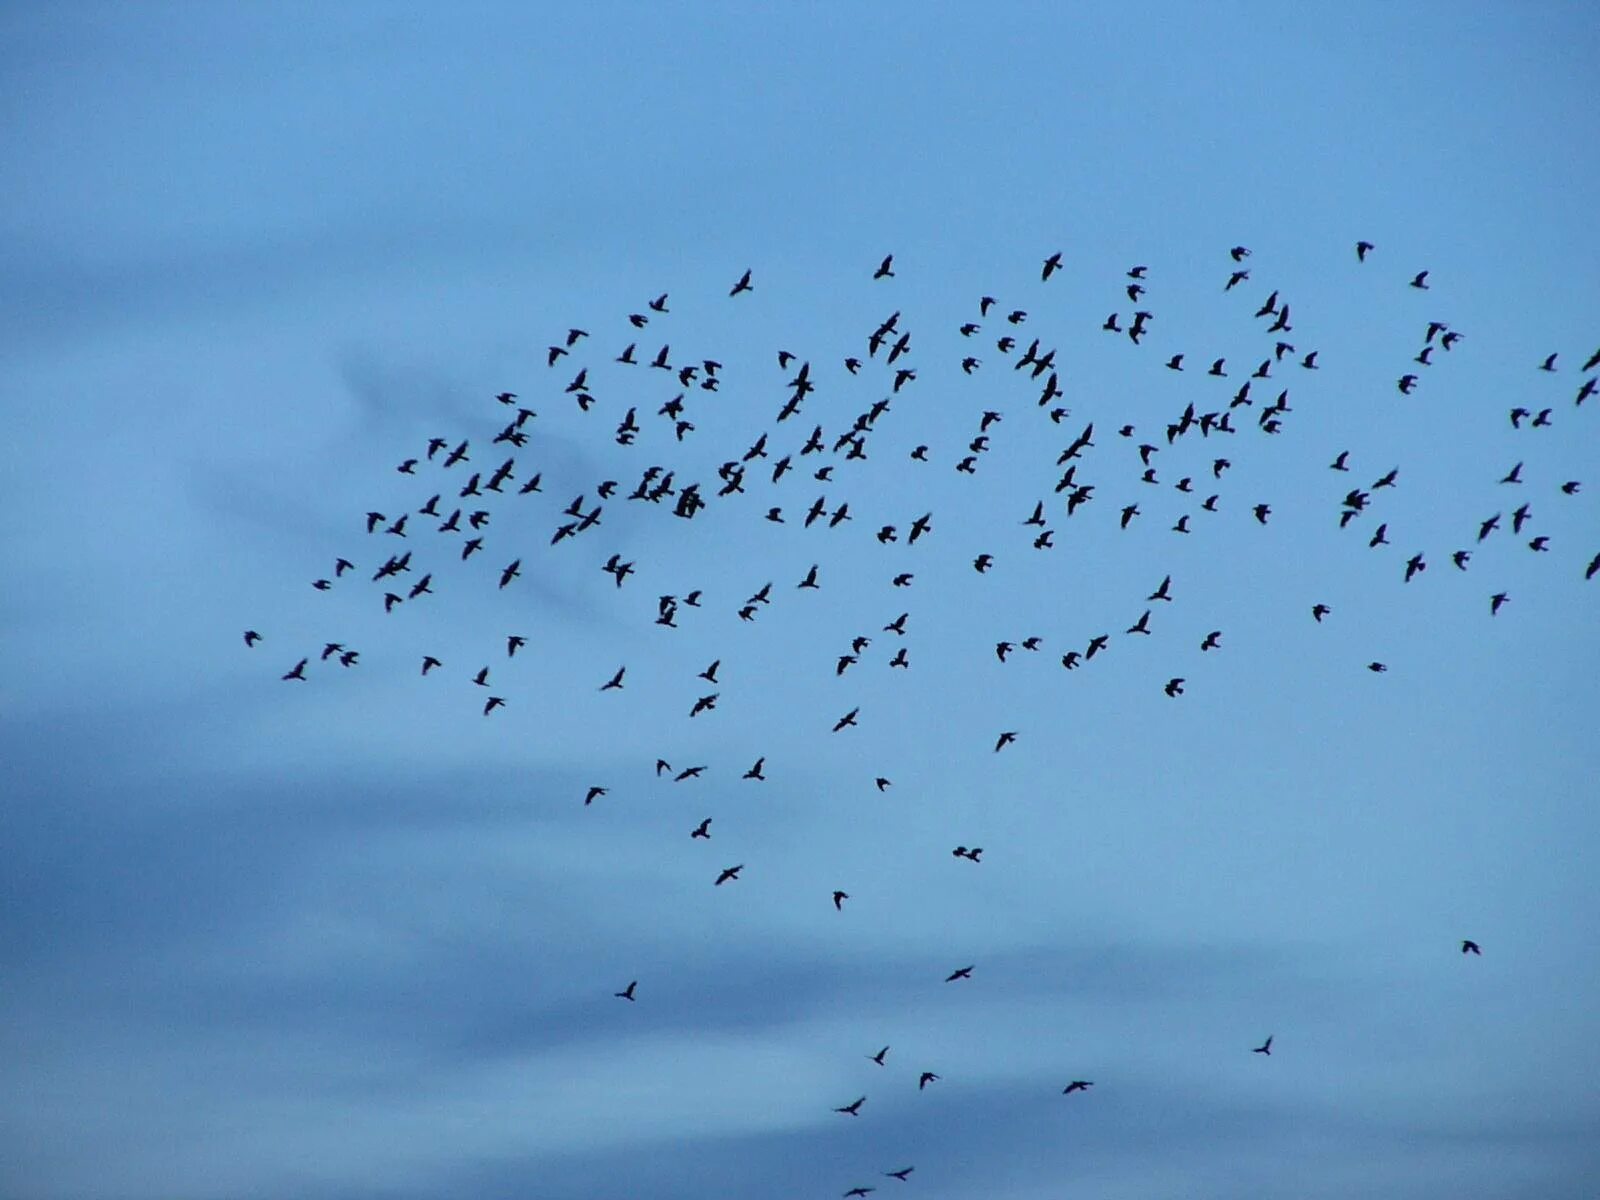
(959, 973)
(1264, 1048)
(1470, 947)
(728, 873)
(593, 792)
(852, 1109)
(927, 1078)
(1077, 1085)
(627, 992)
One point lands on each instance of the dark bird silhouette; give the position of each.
(1495, 601)
(1377, 668)
(1318, 611)
(1264, 1048)
(510, 572)
(492, 703)
(742, 286)
(1470, 947)
(839, 898)
(1362, 250)
(1420, 280)
(1004, 740)
(1077, 1085)
(858, 1191)
(852, 1109)
(728, 873)
(298, 671)
(1212, 641)
(251, 637)
(429, 662)
(1051, 266)
(627, 992)
(848, 719)
(900, 1174)
(688, 773)
(755, 770)
(926, 1078)
(879, 1056)
(1174, 687)
(592, 794)
(883, 271)
(959, 973)
(615, 682)
(702, 830)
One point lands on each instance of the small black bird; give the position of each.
(1264, 1048)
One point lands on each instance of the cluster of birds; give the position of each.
(466, 483)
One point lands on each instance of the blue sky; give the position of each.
(351, 938)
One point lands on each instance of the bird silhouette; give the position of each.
(1264, 1048)
(627, 992)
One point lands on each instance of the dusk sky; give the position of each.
(353, 938)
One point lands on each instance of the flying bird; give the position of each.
(1264, 1048)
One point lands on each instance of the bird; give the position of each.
(1495, 601)
(1051, 266)
(1212, 640)
(852, 1109)
(1377, 668)
(848, 719)
(900, 1174)
(1174, 687)
(728, 873)
(593, 793)
(702, 830)
(1420, 280)
(1264, 1048)
(251, 637)
(615, 682)
(858, 1190)
(298, 671)
(1470, 947)
(1362, 250)
(926, 1078)
(755, 771)
(959, 973)
(627, 992)
(879, 1056)
(492, 703)
(883, 271)
(1077, 1085)
(1004, 740)
(839, 898)
(742, 286)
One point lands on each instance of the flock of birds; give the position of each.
(466, 483)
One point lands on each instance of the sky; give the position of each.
(351, 937)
